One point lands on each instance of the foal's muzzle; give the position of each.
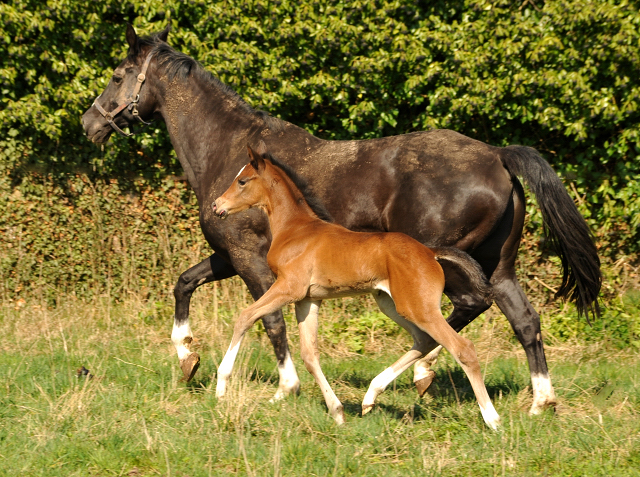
(223, 214)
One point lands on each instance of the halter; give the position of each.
(130, 102)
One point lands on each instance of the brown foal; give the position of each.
(313, 259)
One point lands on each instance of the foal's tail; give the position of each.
(564, 227)
(460, 267)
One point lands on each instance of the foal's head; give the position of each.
(249, 188)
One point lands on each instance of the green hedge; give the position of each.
(561, 76)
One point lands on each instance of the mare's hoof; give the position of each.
(189, 366)
(366, 408)
(423, 384)
(539, 408)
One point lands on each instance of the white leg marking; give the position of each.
(289, 381)
(543, 393)
(490, 416)
(377, 386)
(181, 338)
(225, 368)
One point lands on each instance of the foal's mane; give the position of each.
(310, 198)
(178, 65)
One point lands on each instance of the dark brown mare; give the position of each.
(439, 187)
(313, 259)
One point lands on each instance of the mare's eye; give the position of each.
(117, 79)
(242, 182)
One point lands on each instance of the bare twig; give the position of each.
(554, 290)
(133, 364)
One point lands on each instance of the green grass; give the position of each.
(135, 419)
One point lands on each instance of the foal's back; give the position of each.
(340, 262)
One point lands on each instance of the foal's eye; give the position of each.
(242, 182)
(117, 79)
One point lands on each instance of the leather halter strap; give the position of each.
(130, 102)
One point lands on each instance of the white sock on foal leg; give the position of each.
(225, 368)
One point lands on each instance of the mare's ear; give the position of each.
(132, 39)
(164, 34)
(262, 148)
(257, 162)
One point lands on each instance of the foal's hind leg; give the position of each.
(307, 316)
(210, 269)
(467, 302)
(421, 343)
(463, 352)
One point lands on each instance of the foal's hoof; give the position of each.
(189, 366)
(366, 408)
(423, 384)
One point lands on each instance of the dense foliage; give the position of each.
(560, 76)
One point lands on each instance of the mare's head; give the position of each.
(129, 97)
(249, 188)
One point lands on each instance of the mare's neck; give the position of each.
(203, 121)
(286, 207)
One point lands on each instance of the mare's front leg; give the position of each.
(254, 271)
(210, 269)
(307, 316)
(279, 295)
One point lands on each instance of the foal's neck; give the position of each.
(285, 205)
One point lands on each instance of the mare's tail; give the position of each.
(458, 266)
(564, 227)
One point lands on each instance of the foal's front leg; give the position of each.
(275, 298)
(307, 316)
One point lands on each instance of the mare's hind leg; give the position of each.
(421, 343)
(524, 320)
(423, 375)
(210, 269)
(307, 316)
(526, 324)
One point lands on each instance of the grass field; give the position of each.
(134, 418)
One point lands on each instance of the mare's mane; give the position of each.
(310, 198)
(178, 65)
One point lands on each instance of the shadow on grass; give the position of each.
(199, 384)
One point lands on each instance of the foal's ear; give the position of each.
(132, 39)
(257, 161)
(164, 34)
